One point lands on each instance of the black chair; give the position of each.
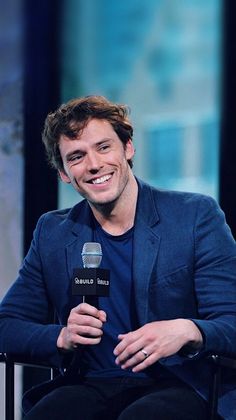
(10, 362)
(218, 364)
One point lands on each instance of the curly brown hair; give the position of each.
(71, 118)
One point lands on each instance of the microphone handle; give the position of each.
(91, 300)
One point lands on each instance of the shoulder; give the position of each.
(62, 215)
(181, 212)
(174, 200)
(59, 222)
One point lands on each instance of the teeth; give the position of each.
(102, 179)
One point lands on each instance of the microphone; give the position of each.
(91, 255)
(91, 280)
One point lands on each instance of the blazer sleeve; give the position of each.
(215, 278)
(25, 312)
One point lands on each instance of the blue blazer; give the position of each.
(184, 266)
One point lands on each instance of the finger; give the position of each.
(80, 340)
(85, 308)
(129, 345)
(121, 336)
(140, 361)
(102, 316)
(129, 358)
(132, 361)
(148, 361)
(85, 330)
(89, 320)
(130, 352)
(126, 340)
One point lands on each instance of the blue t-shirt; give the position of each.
(98, 360)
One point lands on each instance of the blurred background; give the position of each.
(163, 59)
(173, 62)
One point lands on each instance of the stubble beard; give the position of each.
(106, 208)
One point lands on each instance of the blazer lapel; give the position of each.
(145, 249)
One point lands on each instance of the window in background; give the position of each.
(162, 58)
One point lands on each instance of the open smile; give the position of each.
(101, 180)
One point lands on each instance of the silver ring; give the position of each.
(145, 353)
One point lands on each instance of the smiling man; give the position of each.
(95, 162)
(141, 353)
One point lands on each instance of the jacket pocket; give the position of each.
(172, 295)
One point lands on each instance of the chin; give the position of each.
(106, 202)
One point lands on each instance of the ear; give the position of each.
(64, 177)
(129, 150)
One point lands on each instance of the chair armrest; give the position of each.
(17, 359)
(218, 363)
(223, 361)
(10, 360)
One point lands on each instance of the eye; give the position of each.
(75, 158)
(104, 147)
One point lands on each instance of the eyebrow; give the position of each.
(81, 152)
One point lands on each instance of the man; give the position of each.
(172, 259)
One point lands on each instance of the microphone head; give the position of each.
(91, 255)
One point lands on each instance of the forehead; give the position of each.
(95, 130)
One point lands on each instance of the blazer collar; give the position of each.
(146, 211)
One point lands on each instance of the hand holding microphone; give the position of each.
(85, 322)
(84, 326)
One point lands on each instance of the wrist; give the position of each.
(61, 340)
(193, 335)
(193, 340)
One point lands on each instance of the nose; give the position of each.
(93, 162)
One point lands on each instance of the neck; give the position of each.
(118, 217)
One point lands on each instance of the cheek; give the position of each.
(75, 171)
